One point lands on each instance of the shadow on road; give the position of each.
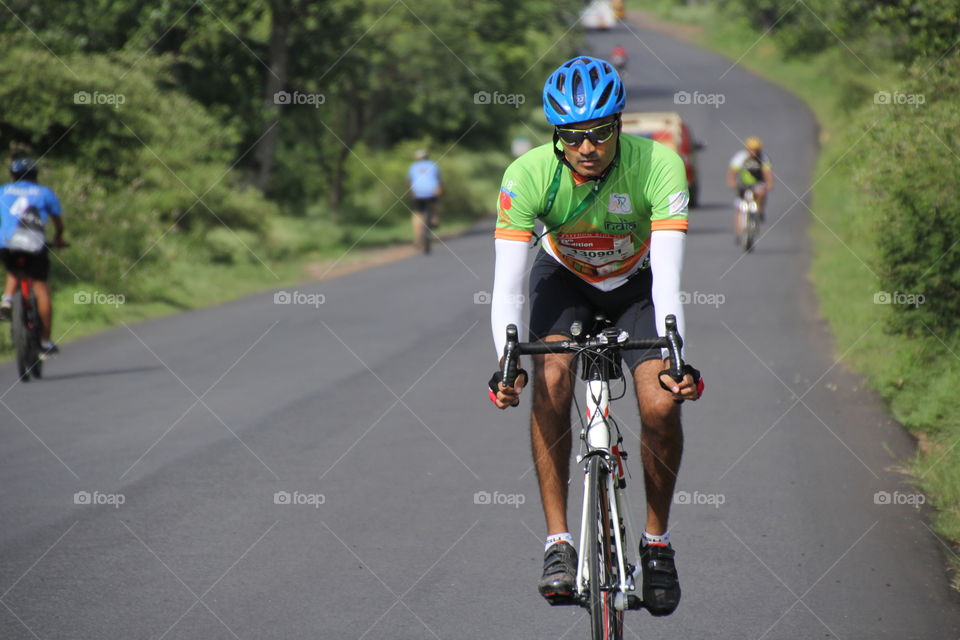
(102, 372)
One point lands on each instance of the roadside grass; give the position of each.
(190, 273)
(917, 377)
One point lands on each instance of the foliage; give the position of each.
(913, 180)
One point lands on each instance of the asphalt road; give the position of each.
(368, 415)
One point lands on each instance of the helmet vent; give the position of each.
(556, 105)
(605, 96)
(579, 98)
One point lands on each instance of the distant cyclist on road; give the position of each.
(618, 57)
(426, 187)
(750, 168)
(25, 209)
(614, 210)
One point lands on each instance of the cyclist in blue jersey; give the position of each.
(426, 187)
(25, 209)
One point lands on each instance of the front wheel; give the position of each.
(751, 232)
(606, 623)
(740, 223)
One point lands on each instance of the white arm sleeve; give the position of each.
(506, 305)
(666, 266)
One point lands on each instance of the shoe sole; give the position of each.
(560, 599)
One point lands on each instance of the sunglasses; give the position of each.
(597, 135)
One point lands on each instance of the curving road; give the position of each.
(305, 470)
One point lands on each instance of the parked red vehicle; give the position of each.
(668, 128)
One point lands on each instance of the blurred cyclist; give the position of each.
(618, 57)
(750, 168)
(25, 208)
(425, 185)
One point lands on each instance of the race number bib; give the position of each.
(596, 249)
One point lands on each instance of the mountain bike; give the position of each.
(748, 210)
(25, 326)
(608, 572)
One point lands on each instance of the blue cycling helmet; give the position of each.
(583, 88)
(23, 168)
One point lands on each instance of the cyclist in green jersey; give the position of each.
(614, 215)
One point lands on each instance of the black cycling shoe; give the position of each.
(558, 584)
(661, 587)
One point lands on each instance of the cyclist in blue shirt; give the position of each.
(425, 185)
(25, 209)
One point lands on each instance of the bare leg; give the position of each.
(661, 443)
(550, 437)
(44, 306)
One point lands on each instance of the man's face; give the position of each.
(588, 159)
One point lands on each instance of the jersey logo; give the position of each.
(506, 199)
(619, 203)
(678, 203)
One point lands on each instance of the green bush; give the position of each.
(911, 175)
(132, 163)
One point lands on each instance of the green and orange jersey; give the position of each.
(644, 191)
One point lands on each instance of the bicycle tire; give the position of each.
(740, 227)
(36, 341)
(20, 338)
(751, 232)
(606, 623)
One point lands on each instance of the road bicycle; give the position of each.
(748, 210)
(608, 573)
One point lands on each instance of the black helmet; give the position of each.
(23, 168)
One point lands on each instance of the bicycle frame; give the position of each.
(597, 436)
(747, 204)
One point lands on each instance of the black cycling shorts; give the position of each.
(35, 266)
(423, 205)
(558, 298)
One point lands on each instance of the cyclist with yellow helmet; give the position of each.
(750, 168)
